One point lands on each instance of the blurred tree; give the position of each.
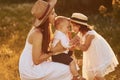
(116, 11)
(83, 6)
(70, 6)
(16, 1)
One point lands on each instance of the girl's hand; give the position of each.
(72, 48)
(75, 40)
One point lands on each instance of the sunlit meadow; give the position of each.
(15, 23)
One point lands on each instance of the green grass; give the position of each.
(15, 22)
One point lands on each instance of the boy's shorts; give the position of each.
(63, 58)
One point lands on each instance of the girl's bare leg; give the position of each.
(74, 72)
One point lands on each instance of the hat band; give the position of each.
(80, 20)
(45, 12)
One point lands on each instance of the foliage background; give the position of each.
(16, 21)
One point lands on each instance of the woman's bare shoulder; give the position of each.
(36, 33)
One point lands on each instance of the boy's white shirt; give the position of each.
(63, 38)
(60, 36)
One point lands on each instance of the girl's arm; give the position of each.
(86, 45)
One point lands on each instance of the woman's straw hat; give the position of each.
(41, 10)
(79, 18)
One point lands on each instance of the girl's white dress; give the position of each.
(44, 71)
(99, 59)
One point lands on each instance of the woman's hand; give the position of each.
(50, 53)
(58, 48)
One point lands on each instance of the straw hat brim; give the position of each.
(78, 22)
(38, 22)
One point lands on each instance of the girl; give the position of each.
(98, 57)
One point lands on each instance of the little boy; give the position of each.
(63, 54)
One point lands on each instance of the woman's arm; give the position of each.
(87, 43)
(58, 48)
(37, 54)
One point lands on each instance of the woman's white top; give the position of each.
(44, 71)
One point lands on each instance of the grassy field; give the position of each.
(16, 21)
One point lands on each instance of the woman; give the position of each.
(98, 57)
(33, 64)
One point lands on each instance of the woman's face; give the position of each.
(75, 27)
(52, 16)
